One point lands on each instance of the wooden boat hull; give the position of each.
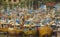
(45, 31)
(14, 32)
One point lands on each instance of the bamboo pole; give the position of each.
(32, 4)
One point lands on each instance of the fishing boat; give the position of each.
(3, 27)
(46, 30)
(14, 29)
(29, 29)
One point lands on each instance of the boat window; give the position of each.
(18, 26)
(4, 0)
(11, 26)
(14, 0)
(3, 25)
(19, 0)
(9, 0)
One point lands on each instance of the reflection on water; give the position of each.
(2, 35)
(6, 35)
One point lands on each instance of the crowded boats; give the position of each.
(22, 20)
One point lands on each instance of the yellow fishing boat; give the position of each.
(14, 30)
(29, 30)
(45, 31)
(3, 28)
